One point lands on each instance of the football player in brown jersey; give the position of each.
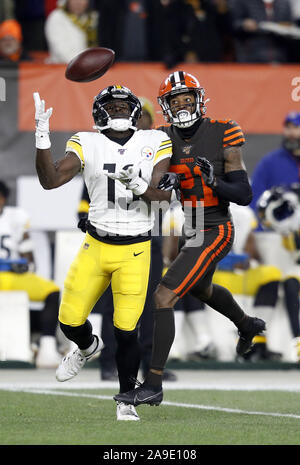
(208, 167)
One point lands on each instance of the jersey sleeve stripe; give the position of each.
(225, 139)
(160, 158)
(235, 142)
(163, 151)
(228, 131)
(165, 142)
(75, 147)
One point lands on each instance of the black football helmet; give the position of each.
(101, 117)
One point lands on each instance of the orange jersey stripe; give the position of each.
(235, 142)
(200, 260)
(233, 136)
(223, 121)
(211, 258)
(228, 131)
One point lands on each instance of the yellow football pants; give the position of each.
(96, 265)
(36, 287)
(247, 282)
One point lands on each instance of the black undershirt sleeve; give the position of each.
(234, 187)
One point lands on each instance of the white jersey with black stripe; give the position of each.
(113, 208)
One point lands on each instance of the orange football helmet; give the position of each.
(180, 82)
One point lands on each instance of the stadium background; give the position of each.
(256, 96)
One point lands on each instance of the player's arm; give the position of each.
(51, 174)
(234, 186)
(54, 174)
(152, 192)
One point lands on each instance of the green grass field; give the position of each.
(189, 417)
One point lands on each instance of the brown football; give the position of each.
(90, 64)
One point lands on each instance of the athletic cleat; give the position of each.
(126, 412)
(256, 326)
(74, 361)
(144, 394)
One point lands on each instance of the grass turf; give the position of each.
(29, 418)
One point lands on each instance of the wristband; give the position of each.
(138, 186)
(42, 140)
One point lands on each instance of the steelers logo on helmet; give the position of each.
(105, 119)
(177, 83)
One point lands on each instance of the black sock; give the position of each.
(267, 295)
(49, 315)
(127, 358)
(223, 302)
(163, 337)
(291, 295)
(82, 335)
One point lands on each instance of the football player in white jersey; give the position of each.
(15, 275)
(116, 248)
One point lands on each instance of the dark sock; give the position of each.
(82, 335)
(127, 358)
(267, 295)
(291, 295)
(49, 315)
(163, 337)
(223, 302)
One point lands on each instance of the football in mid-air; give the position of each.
(90, 64)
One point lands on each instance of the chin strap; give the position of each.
(113, 124)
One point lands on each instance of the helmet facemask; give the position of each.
(103, 120)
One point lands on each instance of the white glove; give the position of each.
(131, 179)
(42, 140)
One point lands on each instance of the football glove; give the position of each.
(169, 181)
(207, 171)
(42, 117)
(82, 223)
(131, 180)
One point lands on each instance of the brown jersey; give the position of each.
(209, 141)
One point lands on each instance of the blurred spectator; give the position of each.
(11, 43)
(147, 119)
(243, 273)
(209, 23)
(6, 10)
(252, 42)
(168, 24)
(111, 24)
(295, 6)
(135, 47)
(31, 16)
(281, 167)
(17, 274)
(70, 29)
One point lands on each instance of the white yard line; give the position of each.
(172, 404)
(168, 386)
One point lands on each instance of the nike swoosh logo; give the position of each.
(136, 399)
(136, 254)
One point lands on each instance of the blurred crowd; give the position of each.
(169, 31)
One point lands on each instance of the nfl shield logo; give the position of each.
(187, 149)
